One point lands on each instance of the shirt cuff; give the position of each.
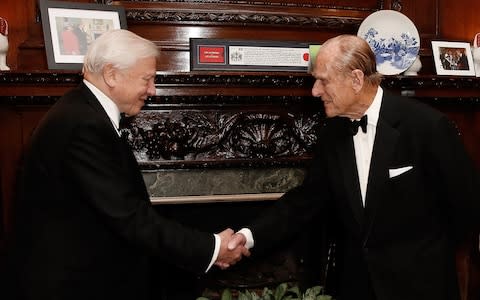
(249, 236)
(218, 241)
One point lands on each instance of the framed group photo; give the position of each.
(453, 58)
(69, 28)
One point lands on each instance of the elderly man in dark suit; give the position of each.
(86, 227)
(401, 190)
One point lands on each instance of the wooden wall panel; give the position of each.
(424, 15)
(17, 126)
(459, 20)
(15, 12)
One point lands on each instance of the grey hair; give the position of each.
(352, 53)
(120, 48)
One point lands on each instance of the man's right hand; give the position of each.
(232, 248)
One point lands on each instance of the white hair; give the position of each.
(120, 48)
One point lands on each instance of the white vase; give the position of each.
(3, 44)
(476, 60)
(414, 68)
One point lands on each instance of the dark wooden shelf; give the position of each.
(22, 87)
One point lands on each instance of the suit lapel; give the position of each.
(383, 152)
(346, 158)
(95, 103)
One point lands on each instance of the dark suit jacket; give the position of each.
(86, 226)
(402, 244)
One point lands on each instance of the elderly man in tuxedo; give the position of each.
(401, 191)
(86, 227)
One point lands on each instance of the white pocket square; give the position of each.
(398, 171)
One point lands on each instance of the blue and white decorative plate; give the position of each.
(393, 38)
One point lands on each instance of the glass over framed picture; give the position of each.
(69, 28)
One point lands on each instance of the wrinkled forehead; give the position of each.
(327, 50)
(323, 62)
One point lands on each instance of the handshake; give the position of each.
(232, 248)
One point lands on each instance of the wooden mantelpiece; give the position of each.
(50, 83)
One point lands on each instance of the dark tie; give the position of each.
(123, 125)
(360, 123)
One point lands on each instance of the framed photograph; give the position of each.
(453, 58)
(68, 29)
(248, 55)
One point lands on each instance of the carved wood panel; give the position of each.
(337, 4)
(317, 14)
(222, 136)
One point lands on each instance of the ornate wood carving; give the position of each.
(236, 80)
(40, 78)
(108, 2)
(342, 4)
(214, 135)
(431, 82)
(344, 15)
(266, 80)
(230, 18)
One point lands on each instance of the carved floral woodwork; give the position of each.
(346, 14)
(218, 136)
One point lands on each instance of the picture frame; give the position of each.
(69, 27)
(453, 58)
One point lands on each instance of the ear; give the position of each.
(110, 75)
(358, 80)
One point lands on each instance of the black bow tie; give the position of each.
(123, 125)
(360, 123)
(124, 121)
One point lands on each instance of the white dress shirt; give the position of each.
(363, 143)
(114, 114)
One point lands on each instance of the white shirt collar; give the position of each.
(108, 105)
(373, 110)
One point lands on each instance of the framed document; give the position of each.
(241, 55)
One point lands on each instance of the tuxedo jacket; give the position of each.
(422, 198)
(86, 227)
